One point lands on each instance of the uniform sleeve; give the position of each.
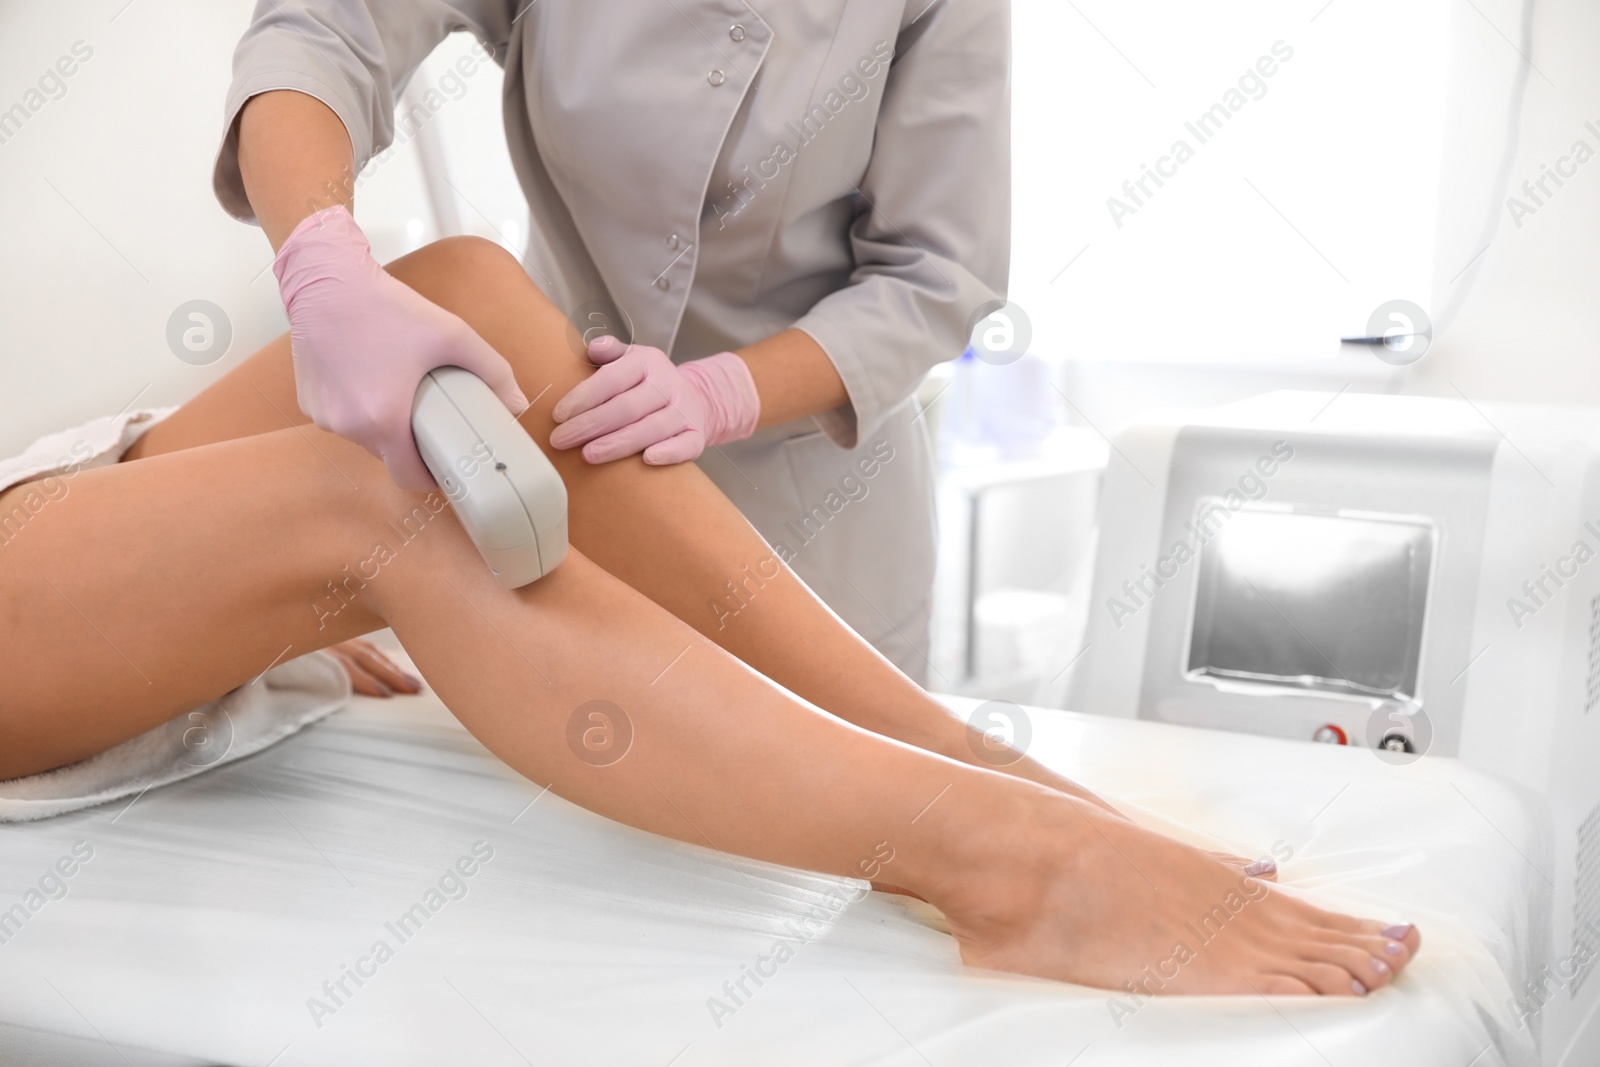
(932, 236)
(355, 56)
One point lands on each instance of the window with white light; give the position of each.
(1235, 181)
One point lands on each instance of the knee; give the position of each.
(388, 532)
(463, 257)
(459, 273)
(473, 256)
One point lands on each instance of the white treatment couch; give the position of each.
(212, 911)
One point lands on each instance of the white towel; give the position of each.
(97, 443)
(240, 722)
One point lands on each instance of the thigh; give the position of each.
(256, 397)
(144, 589)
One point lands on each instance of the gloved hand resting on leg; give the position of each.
(640, 401)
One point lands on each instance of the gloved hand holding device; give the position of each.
(363, 340)
(640, 401)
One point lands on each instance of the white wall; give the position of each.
(1274, 231)
(107, 214)
(108, 222)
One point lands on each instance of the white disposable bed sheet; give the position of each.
(210, 913)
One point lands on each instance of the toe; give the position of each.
(1394, 953)
(1372, 971)
(1345, 924)
(1406, 934)
(1266, 869)
(1329, 979)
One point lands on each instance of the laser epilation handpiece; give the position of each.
(505, 492)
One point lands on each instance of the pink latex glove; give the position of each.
(363, 340)
(640, 401)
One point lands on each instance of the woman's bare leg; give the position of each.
(667, 532)
(153, 584)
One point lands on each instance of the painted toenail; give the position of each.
(1357, 988)
(1261, 867)
(1380, 967)
(1399, 931)
(1393, 948)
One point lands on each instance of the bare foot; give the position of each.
(1095, 899)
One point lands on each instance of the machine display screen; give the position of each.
(1321, 602)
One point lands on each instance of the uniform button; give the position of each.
(663, 284)
(716, 78)
(736, 31)
(672, 242)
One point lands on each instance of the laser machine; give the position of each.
(1420, 576)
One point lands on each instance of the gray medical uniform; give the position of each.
(718, 175)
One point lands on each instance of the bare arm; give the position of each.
(794, 377)
(295, 159)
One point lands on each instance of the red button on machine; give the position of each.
(1330, 735)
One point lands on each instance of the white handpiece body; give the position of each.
(505, 492)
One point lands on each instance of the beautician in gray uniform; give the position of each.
(803, 206)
